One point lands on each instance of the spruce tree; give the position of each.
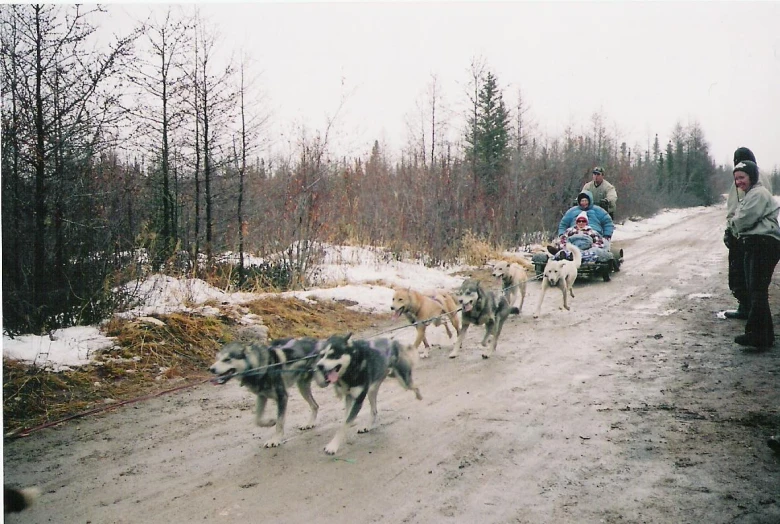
(488, 137)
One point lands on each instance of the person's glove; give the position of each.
(728, 238)
(604, 203)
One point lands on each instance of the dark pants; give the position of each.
(737, 283)
(761, 256)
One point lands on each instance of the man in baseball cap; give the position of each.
(604, 193)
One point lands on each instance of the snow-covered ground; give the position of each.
(361, 275)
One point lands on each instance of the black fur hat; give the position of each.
(749, 167)
(743, 153)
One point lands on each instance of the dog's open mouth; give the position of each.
(223, 377)
(333, 375)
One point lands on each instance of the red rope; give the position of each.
(107, 407)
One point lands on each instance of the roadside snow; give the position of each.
(363, 276)
(63, 349)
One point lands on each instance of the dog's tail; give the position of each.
(524, 263)
(16, 500)
(576, 252)
(515, 259)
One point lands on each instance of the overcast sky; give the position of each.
(643, 65)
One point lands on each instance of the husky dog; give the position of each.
(16, 500)
(513, 282)
(561, 274)
(357, 368)
(268, 371)
(425, 309)
(481, 307)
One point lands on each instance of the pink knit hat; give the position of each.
(582, 216)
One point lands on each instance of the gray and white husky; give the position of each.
(481, 307)
(268, 371)
(357, 368)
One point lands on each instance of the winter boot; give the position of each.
(740, 313)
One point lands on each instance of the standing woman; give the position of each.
(755, 225)
(736, 255)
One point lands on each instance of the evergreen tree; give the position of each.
(488, 137)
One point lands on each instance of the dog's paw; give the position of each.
(485, 356)
(536, 315)
(453, 354)
(423, 354)
(363, 430)
(265, 422)
(273, 443)
(304, 427)
(331, 449)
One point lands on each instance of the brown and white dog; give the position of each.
(513, 282)
(421, 309)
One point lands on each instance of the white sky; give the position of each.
(643, 65)
(348, 273)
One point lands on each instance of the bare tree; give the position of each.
(159, 111)
(215, 87)
(63, 115)
(476, 79)
(251, 122)
(426, 125)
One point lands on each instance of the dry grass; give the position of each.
(290, 317)
(149, 358)
(476, 251)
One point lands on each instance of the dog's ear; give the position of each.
(347, 336)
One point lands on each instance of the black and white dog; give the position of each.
(357, 368)
(481, 307)
(268, 371)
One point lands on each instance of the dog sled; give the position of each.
(596, 261)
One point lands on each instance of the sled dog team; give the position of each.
(357, 368)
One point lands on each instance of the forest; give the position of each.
(148, 154)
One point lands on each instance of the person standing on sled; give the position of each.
(756, 228)
(736, 253)
(604, 193)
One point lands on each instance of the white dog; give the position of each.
(561, 274)
(513, 281)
